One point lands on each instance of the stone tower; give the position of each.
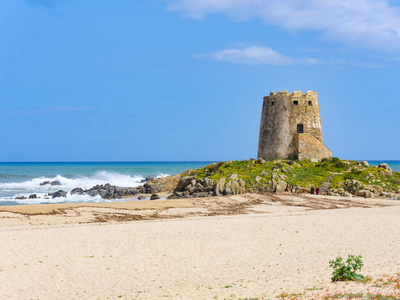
(291, 127)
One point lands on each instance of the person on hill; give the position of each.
(312, 190)
(317, 190)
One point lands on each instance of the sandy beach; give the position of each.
(237, 247)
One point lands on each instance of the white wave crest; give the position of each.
(26, 188)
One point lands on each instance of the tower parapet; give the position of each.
(285, 121)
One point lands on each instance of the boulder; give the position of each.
(59, 194)
(385, 166)
(55, 182)
(301, 190)
(45, 183)
(77, 191)
(206, 183)
(261, 161)
(227, 191)
(154, 197)
(33, 196)
(184, 182)
(280, 187)
(282, 177)
(142, 197)
(20, 198)
(376, 189)
(164, 184)
(235, 186)
(364, 193)
(148, 178)
(218, 187)
(365, 163)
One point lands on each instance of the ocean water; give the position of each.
(393, 164)
(23, 179)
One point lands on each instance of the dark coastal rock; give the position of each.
(107, 191)
(185, 182)
(59, 194)
(45, 183)
(148, 178)
(33, 196)
(142, 197)
(77, 191)
(154, 197)
(21, 198)
(55, 182)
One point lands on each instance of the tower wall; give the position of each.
(283, 116)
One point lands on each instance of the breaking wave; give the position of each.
(10, 190)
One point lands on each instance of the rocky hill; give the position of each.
(334, 177)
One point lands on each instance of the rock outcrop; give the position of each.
(163, 184)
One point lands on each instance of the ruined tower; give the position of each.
(291, 127)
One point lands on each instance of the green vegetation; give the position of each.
(335, 171)
(346, 270)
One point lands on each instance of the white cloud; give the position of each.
(255, 55)
(371, 24)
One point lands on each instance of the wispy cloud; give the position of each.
(50, 110)
(369, 24)
(255, 55)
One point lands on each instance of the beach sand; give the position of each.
(243, 246)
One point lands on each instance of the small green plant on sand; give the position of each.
(346, 270)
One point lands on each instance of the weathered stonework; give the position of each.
(308, 147)
(285, 118)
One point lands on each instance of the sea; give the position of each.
(22, 179)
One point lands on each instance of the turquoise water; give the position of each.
(23, 179)
(393, 164)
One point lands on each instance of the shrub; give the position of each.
(346, 270)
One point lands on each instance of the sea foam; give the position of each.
(11, 190)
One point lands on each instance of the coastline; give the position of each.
(242, 246)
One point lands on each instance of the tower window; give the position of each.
(309, 103)
(272, 103)
(300, 128)
(295, 103)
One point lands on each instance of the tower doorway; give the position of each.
(300, 128)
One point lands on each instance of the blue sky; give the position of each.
(156, 80)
